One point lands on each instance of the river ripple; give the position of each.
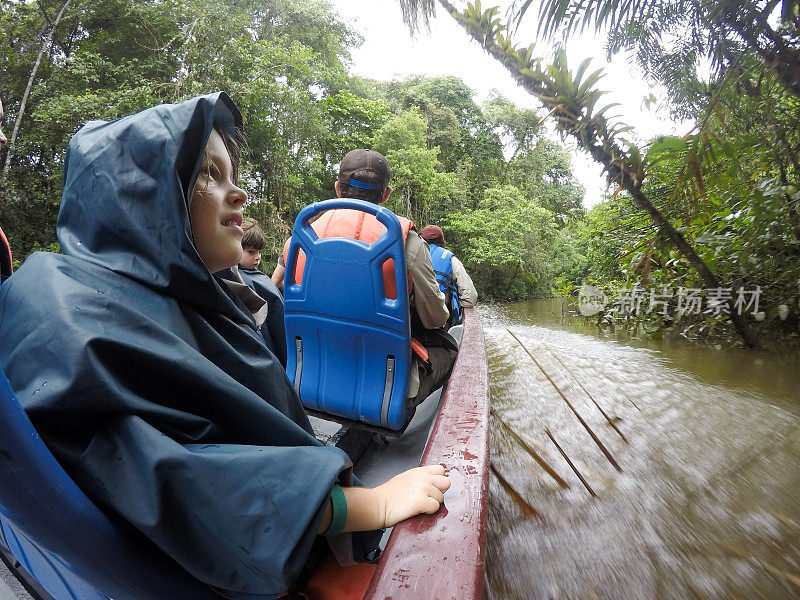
(708, 501)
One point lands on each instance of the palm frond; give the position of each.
(417, 14)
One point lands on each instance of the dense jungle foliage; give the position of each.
(501, 189)
(715, 210)
(731, 185)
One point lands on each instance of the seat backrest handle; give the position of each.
(387, 390)
(298, 370)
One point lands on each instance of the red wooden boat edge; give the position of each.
(441, 556)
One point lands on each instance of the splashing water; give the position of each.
(708, 501)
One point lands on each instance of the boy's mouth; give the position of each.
(234, 220)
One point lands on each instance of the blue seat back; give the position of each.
(62, 540)
(349, 346)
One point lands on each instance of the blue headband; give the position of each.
(364, 185)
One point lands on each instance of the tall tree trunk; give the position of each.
(46, 43)
(616, 168)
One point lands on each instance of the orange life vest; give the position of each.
(357, 225)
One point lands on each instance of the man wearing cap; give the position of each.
(364, 175)
(453, 279)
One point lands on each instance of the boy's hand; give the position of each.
(419, 490)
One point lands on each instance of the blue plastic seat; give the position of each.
(63, 542)
(349, 344)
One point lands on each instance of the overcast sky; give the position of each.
(389, 52)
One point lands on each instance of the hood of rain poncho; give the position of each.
(147, 377)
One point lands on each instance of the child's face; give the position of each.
(251, 258)
(215, 209)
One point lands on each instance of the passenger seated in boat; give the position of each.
(454, 281)
(364, 175)
(145, 373)
(273, 329)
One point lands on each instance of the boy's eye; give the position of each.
(211, 170)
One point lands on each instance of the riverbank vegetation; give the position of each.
(715, 209)
(730, 186)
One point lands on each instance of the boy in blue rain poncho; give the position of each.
(145, 373)
(273, 329)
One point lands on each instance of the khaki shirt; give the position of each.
(429, 300)
(467, 294)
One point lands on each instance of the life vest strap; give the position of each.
(422, 353)
(6, 260)
(446, 279)
(419, 350)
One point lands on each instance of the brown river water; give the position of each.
(707, 502)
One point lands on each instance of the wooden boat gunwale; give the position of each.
(442, 555)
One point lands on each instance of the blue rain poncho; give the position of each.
(273, 329)
(147, 377)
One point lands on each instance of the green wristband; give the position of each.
(338, 511)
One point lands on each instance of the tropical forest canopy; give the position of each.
(716, 209)
(724, 198)
(502, 191)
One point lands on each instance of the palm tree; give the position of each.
(572, 101)
(694, 30)
(715, 29)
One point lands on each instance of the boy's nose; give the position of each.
(237, 196)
